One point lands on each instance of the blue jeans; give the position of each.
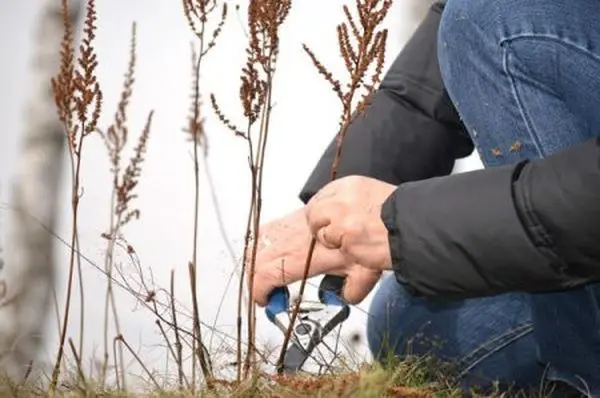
(525, 78)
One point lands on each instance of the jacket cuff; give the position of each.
(462, 236)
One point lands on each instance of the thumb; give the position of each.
(359, 283)
(329, 236)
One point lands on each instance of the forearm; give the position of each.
(531, 227)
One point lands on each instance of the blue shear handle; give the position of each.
(278, 302)
(330, 290)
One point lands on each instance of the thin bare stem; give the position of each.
(78, 362)
(65, 321)
(178, 346)
(116, 365)
(122, 340)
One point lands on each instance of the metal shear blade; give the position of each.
(311, 327)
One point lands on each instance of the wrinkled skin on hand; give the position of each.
(346, 215)
(281, 258)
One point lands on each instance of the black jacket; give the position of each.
(532, 226)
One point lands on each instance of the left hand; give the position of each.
(281, 259)
(345, 215)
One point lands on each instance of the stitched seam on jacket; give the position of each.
(533, 227)
(537, 228)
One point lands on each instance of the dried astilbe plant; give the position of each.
(362, 45)
(265, 18)
(78, 99)
(124, 183)
(199, 14)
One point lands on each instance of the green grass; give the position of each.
(415, 378)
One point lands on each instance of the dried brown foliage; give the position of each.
(76, 90)
(130, 177)
(116, 138)
(265, 17)
(362, 47)
(118, 132)
(343, 385)
(198, 14)
(195, 123)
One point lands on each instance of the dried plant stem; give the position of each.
(76, 162)
(178, 347)
(174, 354)
(193, 266)
(197, 13)
(122, 340)
(124, 182)
(108, 262)
(78, 362)
(371, 50)
(295, 311)
(258, 171)
(199, 350)
(109, 303)
(116, 365)
(81, 294)
(76, 93)
(265, 17)
(256, 157)
(247, 236)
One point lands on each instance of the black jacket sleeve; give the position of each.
(410, 131)
(534, 226)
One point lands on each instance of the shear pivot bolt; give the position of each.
(303, 329)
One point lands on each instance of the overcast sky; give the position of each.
(304, 121)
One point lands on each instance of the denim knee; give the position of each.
(506, 62)
(479, 340)
(390, 301)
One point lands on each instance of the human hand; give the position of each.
(345, 215)
(281, 259)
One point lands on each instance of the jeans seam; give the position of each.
(515, 92)
(549, 37)
(505, 56)
(486, 349)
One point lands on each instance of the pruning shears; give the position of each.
(312, 324)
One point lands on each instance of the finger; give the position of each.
(277, 273)
(324, 238)
(285, 270)
(359, 283)
(266, 279)
(326, 214)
